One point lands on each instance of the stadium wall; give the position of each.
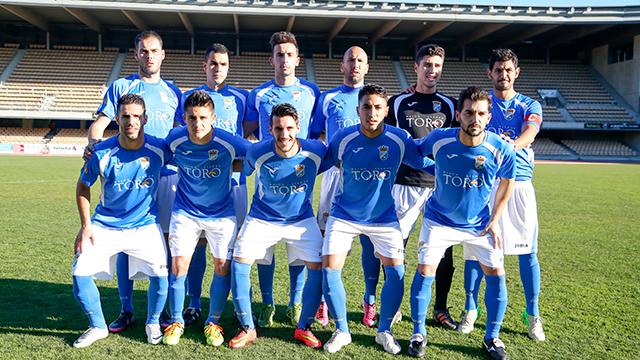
(623, 76)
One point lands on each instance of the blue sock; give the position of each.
(157, 297)
(176, 297)
(370, 269)
(391, 295)
(420, 299)
(125, 286)
(530, 276)
(86, 293)
(495, 299)
(265, 279)
(472, 278)
(310, 298)
(297, 276)
(195, 275)
(336, 297)
(218, 294)
(240, 288)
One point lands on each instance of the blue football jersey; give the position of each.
(464, 177)
(230, 106)
(335, 110)
(369, 168)
(283, 186)
(508, 117)
(129, 181)
(161, 100)
(204, 184)
(302, 95)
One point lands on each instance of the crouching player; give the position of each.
(203, 204)
(469, 160)
(286, 168)
(125, 220)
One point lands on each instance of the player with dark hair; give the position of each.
(203, 205)
(230, 107)
(125, 220)
(285, 87)
(336, 109)
(517, 118)
(286, 168)
(162, 100)
(420, 113)
(468, 161)
(368, 156)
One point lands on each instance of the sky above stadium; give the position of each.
(563, 3)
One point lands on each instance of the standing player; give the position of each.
(420, 113)
(128, 166)
(285, 87)
(230, 105)
(368, 156)
(469, 160)
(336, 109)
(517, 118)
(162, 99)
(286, 169)
(203, 204)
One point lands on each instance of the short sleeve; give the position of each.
(90, 170)
(109, 104)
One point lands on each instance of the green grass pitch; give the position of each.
(589, 250)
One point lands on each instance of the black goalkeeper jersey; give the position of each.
(419, 114)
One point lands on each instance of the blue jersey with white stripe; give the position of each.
(230, 106)
(369, 167)
(129, 181)
(284, 186)
(161, 102)
(464, 177)
(302, 95)
(335, 110)
(508, 117)
(204, 184)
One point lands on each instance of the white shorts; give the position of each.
(186, 231)
(409, 202)
(519, 220)
(386, 238)
(145, 246)
(435, 239)
(166, 194)
(257, 239)
(328, 189)
(240, 203)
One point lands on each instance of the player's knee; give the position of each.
(427, 270)
(492, 271)
(180, 266)
(221, 267)
(314, 265)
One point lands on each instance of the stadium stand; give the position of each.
(328, 73)
(57, 80)
(546, 147)
(76, 136)
(601, 114)
(6, 54)
(599, 148)
(551, 113)
(382, 71)
(23, 136)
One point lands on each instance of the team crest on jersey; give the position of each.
(164, 97)
(480, 162)
(437, 105)
(213, 154)
(508, 113)
(146, 182)
(228, 102)
(297, 95)
(299, 170)
(144, 162)
(383, 152)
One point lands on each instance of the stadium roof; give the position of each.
(374, 19)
